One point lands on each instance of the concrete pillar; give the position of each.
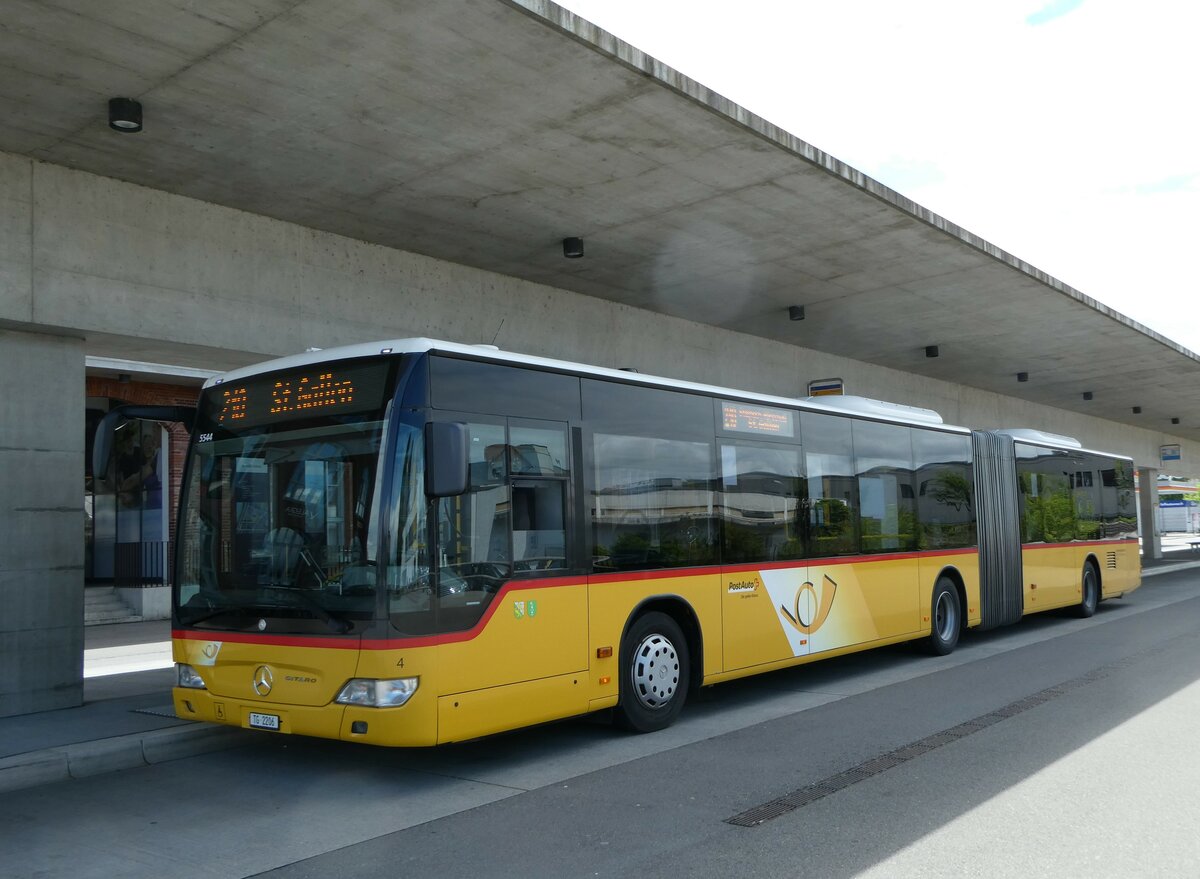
(1148, 513)
(41, 522)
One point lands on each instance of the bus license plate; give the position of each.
(264, 721)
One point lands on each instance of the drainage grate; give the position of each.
(834, 783)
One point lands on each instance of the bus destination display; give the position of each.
(324, 390)
(752, 418)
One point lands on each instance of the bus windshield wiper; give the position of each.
(340, 625)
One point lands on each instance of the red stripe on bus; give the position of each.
(335, 643)
(849, 559)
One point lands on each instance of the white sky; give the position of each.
(1066, 132)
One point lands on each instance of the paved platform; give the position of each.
(127, 719)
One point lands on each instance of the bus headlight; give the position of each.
(187, 677)
(377, 694)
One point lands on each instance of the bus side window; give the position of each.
(832, 488)
(944, 478)
(762, 502)
(887, 503)
(539, 532)
(653, 475)
(539, 468)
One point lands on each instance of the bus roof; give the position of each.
(875, 410)
(861, 407)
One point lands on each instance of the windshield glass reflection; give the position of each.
(277, 526)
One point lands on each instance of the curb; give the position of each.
(1170, 568)
(85, 759)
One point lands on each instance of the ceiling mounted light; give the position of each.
(1022, 376)
(931, 350)
(124, 115)
(572, 248)
(1087, 395)
(795, 312)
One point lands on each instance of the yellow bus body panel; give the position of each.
(783, 615)
(966, 565)
(496, 709)
(546, 650)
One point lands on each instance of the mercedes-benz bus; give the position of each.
(418, 542)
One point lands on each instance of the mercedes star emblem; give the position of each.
(263, 680)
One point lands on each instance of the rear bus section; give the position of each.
(1078, 526)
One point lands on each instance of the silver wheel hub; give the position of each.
(655, 671)
(944, 620)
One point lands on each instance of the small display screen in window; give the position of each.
(756, 419)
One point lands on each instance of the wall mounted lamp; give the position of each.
(931, 350)
(123, 378)
(1174, 420)
(795, 312)
(572, 248)
(1087, 395)
(124, 115)
(1137, 410)
(1022, 376)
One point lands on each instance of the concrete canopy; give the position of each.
(483, 132)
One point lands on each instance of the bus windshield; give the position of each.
(277, 527)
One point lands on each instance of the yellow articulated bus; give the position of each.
(418, 542)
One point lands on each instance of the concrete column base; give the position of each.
(1147, 513)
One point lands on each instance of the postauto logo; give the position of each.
(810, 611)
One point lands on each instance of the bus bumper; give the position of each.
(412, 725)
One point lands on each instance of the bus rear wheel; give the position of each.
(946, 618)
(1091, 592)
(654, 674)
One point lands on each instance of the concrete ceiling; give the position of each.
(485, 131)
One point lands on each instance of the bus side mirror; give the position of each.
(106, 431)
(103, 445)
(446, 471)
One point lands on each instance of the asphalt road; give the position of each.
(1056, 747)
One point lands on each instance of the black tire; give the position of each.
(654, 672)
(945, 617)
(1090, 584)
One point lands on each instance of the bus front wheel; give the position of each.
(654, 674)
(946, 617)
